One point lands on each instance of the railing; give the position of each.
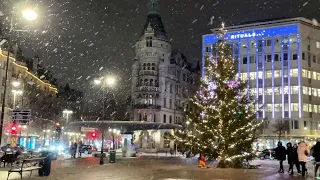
(148, 88)
(146, 106)
(148, 72)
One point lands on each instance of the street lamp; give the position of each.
(16, 83)
(104, 81)
(15, 93)
(29, 15)
(67, 112)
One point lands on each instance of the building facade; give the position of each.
(161, 79)
(281, 61)
(34, 94)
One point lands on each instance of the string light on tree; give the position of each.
(223, 122)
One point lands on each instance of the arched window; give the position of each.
(144, 66)
(151, 82)
(141, 82)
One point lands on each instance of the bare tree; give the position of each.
(280, 126)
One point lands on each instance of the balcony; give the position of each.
(147, 106)
(148, 72)
(147, 89)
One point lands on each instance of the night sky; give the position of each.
(79, 40)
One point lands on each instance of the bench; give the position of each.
(27, 165)
(8, 158)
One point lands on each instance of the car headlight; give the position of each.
(53, 148)
(60, 148)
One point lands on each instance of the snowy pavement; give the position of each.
(155, 168)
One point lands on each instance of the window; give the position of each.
(269, 108)
(244, 60)
(294, 57)
(164, 118)
(268, 58)
(315, 108)
(304, 123)
(170, 119)
(164, 102)
(303, 56)
(268, 42)
(294, 89)
(252, 60)
(170, 103)
(277, 73)
(285, 56)
(170, 88)
(268, 74)
(314, 59)
(294, 73)
(294, 106)
(276, 57)
(318, 44)
(296, 124)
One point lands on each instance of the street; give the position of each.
(154, 168)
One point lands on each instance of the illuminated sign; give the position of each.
(254, 33)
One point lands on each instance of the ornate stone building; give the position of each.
(161, 79)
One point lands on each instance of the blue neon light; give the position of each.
(249, 34)
(272, 66)
(263, 90)
(299, 74)
(289, 77)
(282, 75)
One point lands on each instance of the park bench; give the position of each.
(26, 165)
(8, 158)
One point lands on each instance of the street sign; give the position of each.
(21, 116)
(87, 129)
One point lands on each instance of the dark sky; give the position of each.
(82, 39)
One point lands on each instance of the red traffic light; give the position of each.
(94, 135)
(13, 130)
(57, 124)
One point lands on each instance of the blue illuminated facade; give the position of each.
(264, 57)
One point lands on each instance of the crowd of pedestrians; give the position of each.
(297, 155)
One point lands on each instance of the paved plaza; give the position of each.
(153, 168)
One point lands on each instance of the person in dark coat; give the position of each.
(290, 157)
(280, 155)
(295, 158)
(316, 155)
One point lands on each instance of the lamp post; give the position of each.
(29, 15)
(103, 82)
(67, 112)
(15, 93)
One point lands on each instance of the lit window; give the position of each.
(294, 73)
(304, 90)
(268, 91)
(268, 74)
(260, 74)
(318, 44)
(277, 90)
(294, 106)
(310, 108)
(314, 92)
(277, 74)
(285, 90)
(294, 89)
(309, 74)
(305, 107)
(309, 91)
(277, 107)
(304, 73)
(260, 91)
(269, 107)
(318, 92)
(318, 76)
(252, 75)
(315, 108)
(314, 75)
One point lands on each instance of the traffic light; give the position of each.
(93, 135)
(58, 128)
(14, 129)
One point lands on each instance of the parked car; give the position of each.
(8, 147)
(267, 154)
(86, 149)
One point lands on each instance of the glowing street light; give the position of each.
(15, 93)
(29, 14)
(97, 81)
(66, 111)
(16, 83)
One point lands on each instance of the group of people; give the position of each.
(297, 155)
(74, 148)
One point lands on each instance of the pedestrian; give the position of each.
(316, 154)
(295, 158)
(280, 155)
(290, 157)
(80, 146)
(303, 152)
(73, 150)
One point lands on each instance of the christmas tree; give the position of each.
(222, 123)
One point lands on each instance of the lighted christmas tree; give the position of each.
(222, 123)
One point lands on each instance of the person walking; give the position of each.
(290, 157)
(280, 155)
(295, 158)
(316, 155)
(80, 146)
(303, 152)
